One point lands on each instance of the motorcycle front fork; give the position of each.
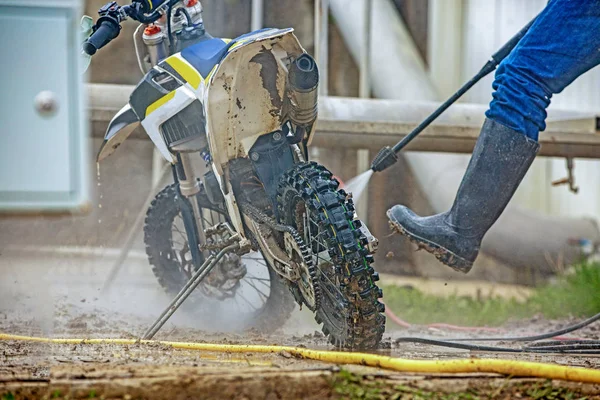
(187, 188)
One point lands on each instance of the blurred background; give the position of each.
(418, 52)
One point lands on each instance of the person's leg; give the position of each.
(563, 43)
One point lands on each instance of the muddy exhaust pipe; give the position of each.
(302, 97)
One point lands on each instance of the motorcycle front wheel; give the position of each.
(254, 296)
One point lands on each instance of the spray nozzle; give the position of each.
(384, 159)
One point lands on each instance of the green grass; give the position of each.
(575, 294)
(350, 386)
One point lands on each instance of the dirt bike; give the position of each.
(244, 110)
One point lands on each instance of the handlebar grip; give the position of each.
(107, 30)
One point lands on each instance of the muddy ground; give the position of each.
(49, 296)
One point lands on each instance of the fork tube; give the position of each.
(189, 221)
(190, 187)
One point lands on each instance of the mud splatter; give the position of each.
(268, 74)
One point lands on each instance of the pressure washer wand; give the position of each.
(388, 155)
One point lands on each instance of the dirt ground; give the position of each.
(66, 302)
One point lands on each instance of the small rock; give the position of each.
(285, 354)
(77, 325)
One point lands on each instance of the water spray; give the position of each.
(388, 156)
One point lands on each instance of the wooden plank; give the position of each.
(344, 123)
(443, 138)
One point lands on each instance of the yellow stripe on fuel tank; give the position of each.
(186, 71)
(158, 103)
(237, 44)
(212, 71)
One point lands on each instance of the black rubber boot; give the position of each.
(499, 162)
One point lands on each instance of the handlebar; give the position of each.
(108, 25)
(107, 28)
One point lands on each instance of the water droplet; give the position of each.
(98, 173)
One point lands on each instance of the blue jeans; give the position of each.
(562, 44)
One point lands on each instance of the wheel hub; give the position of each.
(223, 281)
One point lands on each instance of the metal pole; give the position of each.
(363, 159)
(257, 15)
(321, 42)
(184, 293)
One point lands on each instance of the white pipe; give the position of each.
(363, 159)
(364, 89)
(257, 15)
(321, 43)
(444, 50)
(397, 71)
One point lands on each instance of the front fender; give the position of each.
(119, 129)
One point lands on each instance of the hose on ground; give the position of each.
(563, 342)
(591, 347)
(463, 346)
(549, 335)
(574, 345)
(471, 365)
(583, 347)
(400, 322)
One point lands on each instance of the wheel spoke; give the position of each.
(183, 236)
(178, 242)
(258, 290)
(237, 304)
(258, 260)
(252, 258)
(247, 301)
(261, 280)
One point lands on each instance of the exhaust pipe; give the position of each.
(302, 95)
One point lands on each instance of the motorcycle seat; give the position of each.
(206, 54)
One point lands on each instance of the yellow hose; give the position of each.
(505, 367)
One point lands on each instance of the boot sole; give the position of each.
(443, 255)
